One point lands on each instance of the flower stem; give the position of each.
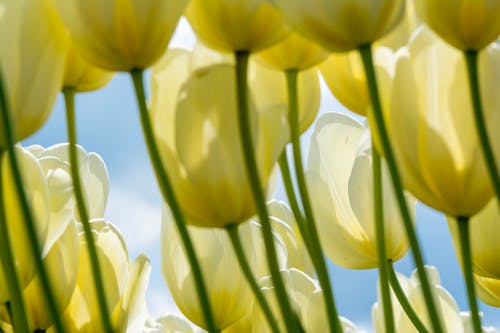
(466, 252)
(471, 57)
(289, 317)
(18, 313)
(317, 255)
(403, 300)
(232, 231)
(380, 237)
(169, 196)
(7, 128)
(69, 99)
(366, 55)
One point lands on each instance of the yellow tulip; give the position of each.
(428, 112)
(121, 35)
(37, 192)
(80, 75)
(488, 290)
(293, 52)
(449, 312)
(345, 76)
(32, 49)
(228, 290)
(342, 25)
(244, 25)
(195, 119)
(124, 284)
(401, 34)
(93, 172)
(465, 24)
(340, 175)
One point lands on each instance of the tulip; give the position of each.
(125, 284)
(246, 25)
(80, 75)
(121, 35)
(340, 175)
(465, 24)
(345, 76)
(342, 25)
(32, 49)
(488, 290)
(450, 313)
(169, 324)
(194, 112)
(428, 115)
(37, 191)
(228, 291)
(293, 52)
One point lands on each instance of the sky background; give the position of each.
(108, 123)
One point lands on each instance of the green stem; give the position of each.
(380, 238)
(471, 57)
(168, 194)
(403, 300)
(292, 199)
(258, 194)
(69, 99)
(16, 307)
(232, 231)
(466, 252)
(317, 255)
(9, 139)
(381, 129)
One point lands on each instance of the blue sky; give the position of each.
(108, 124)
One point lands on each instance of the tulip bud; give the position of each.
(244, 25)
(465, 24)
(342, 25)
(32, 49)
(121, 35)
(340, 173)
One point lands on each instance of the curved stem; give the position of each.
(232, 231)
(9, 139)
(403, 300)
(466, 252)
(168, 194)
(16, 307)
(381, 129)
(292, 199)
(257, 191)
(317, 255)
(471, 57)
(380, 238)
(81, 203)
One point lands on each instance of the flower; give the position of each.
(32, 48)
(293, 52)
(464, 24)
(195, 120)
(430, 121)
(342, 25)
(245, 25)
(339, 172)
(121, 35)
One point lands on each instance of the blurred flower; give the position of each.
(244, 25)
(80, 75)
(345, 76)
(430, 121)
(454, 321)
(121, 35)
(170, 324)
(464, 24)
(32, 49)
(293, 52)
(195, 120)
(342, 25)
(125, 285)
(307, 300)
(340, 174)
(401, 34)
